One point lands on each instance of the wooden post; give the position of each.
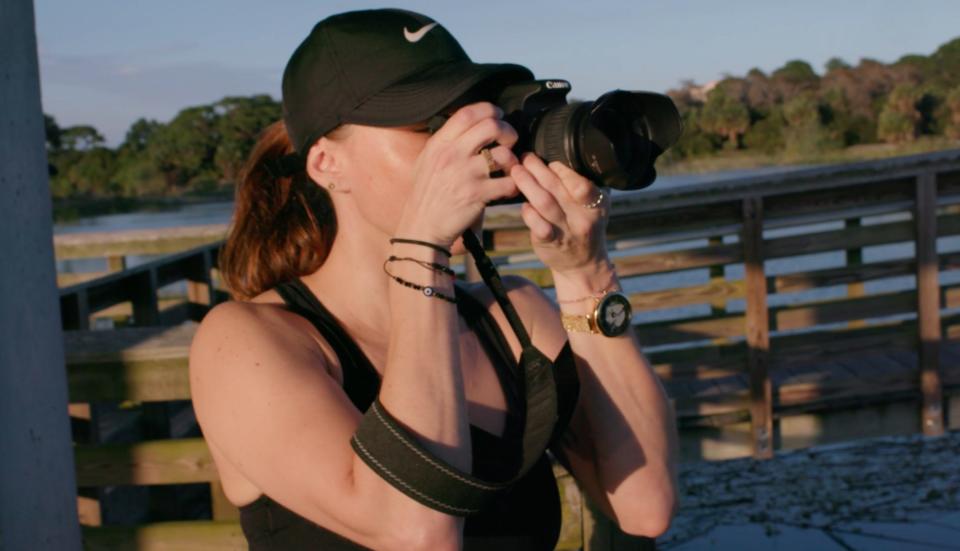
(146, 310)
(758, 328)
(201, 293)
(928, 305)
(855, 258)
(75, 311)
(718, 306)
(116, 263)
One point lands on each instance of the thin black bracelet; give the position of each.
(425, 289)
(428, 265)
(433, 246)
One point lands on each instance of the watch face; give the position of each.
(614, 315)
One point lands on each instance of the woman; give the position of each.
(339, 255)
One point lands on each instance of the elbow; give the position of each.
(650, 517)
(650, 526)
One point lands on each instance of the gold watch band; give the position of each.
(580, 324)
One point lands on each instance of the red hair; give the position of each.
(282, 228)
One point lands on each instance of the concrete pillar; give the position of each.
(37, 484)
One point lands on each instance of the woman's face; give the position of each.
(378, 167)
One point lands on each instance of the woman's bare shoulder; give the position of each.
(537, 311)
(238, 332)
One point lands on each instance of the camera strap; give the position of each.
(536, 369)
(398, 457)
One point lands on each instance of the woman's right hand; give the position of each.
(452, 183)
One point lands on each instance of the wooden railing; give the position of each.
(741, 319)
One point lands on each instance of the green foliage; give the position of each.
(805, 133)
(138, 136)
(899, 121)
(796, 70)
(694, 142)
(835, 63)
(767, 134)
(183, 148)
(239, 122)
(952, 103)
(51, 132)
(725, 116)
(80, 138)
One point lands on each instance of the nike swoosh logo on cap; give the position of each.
(415, 37)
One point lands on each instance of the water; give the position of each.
(219, 212)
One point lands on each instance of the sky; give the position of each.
(108, 63)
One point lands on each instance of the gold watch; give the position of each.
(610, 317)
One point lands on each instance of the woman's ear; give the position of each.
(324, 163)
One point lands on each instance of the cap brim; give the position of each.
(422, 96)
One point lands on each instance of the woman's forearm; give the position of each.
(423, 383)
(631, 429)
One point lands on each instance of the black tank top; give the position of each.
(527, 517)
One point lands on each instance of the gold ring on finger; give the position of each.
(596, 202)
(492, 165)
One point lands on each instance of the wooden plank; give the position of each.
(928, 304)
(167, 536)
(220, 506)
(136, 242)
(844, 309)
(180, 461)
(140, 364)
(835, 240)
(838, 198)
(650, 263)
(696, 329)
(845, 275)
(757, 329)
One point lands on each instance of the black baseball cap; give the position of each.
(384, 67)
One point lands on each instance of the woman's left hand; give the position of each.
(567, 234)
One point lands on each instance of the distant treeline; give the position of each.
(796, 111)
(793, 111)
(200, 151)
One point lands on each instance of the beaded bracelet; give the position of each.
(428, 265)
(425, 289)
(446, 252)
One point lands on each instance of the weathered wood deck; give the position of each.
(889, 493)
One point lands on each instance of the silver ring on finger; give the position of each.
(596, 202)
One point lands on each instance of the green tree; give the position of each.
(138, 135)
(836, 63)
(52, 132)
(899, 120)
(725, 116)
(767, 134)
(184, 148)
(794, 78)
(80, 138)
(92, 172)
(239, 122)
(805, 133)
(952, 128)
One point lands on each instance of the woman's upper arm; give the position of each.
(574, 448)
(266, 401)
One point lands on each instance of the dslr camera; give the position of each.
(613, 141)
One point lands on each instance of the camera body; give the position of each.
(613, 141)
